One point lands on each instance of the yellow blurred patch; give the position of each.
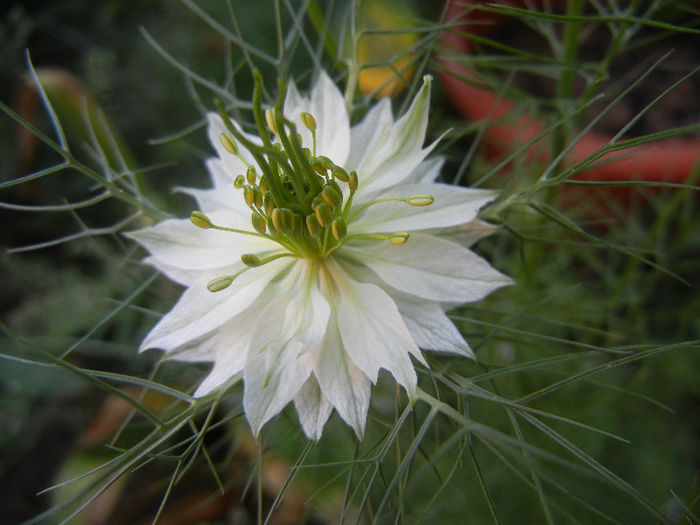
(386, 58)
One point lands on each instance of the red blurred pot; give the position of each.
(670, 160)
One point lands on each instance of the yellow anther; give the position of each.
(338, 228)
(220, 283)
(339, 173)
(421, 199)
(258, 222)
(353, 181)
(200, 220)
(250, 175)
(251, 260)
(398, 238)
(249, 195)
(270, 120)
(309, 121)
(324, 214)
(332, 196)
(313, 226)
(228, 142)
(283, 219)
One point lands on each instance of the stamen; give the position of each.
(332, 196)
(229, 143)
(399, 238)
(270, 121)
(220, 283)
(200, 220)
(339, 229)
(251, 260)
(421, 199)
(258, 222)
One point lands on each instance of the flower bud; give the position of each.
(251, 260)
(309, 121)
(228, 142)
(258, 222)
(421, 199)
(398, 238)
(200, 220)
(324, 214)
(338, 228)
(332, 196)
(220, 283)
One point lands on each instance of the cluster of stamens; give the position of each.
(296, 199)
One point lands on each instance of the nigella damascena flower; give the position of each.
(322, 254)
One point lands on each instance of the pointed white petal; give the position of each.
(430, 327)
(328, 109)
(345, 386)
(426, 172)
(293, 324)
(373, 332)
(431, 268)
(452, 205)
(313, 408)
(223, 196)
(200, 311)
(398, 150)
(178, 243)
(469, 233)
(376, 124)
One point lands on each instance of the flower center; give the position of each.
(295, 196)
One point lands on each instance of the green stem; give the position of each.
(565, 88)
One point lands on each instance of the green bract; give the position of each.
(317, 258)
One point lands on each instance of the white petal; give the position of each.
(219, 376)
(313, 408)
(293, 324)
(269, 388)
(431, 268)
(223, 196)
(452, 205)
(376, 124)
(327, 106)
(345, 386)
(226, 346)
(426, 172)
(179, 244)
(467, 234)
(373, 332)
(398, 149)
(200, 311)
(430, 327)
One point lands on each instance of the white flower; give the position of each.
(347, 267)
